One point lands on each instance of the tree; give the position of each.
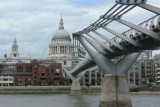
(38, 81)
(151, 80)
(62, 81)
(98, 81)
(49, 81)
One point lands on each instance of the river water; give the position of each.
(64, 100)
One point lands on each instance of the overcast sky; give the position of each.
(33, 22)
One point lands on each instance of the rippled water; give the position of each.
(64, 100)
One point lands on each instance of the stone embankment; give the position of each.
(35, 90)
(60, 90)
(145, 93)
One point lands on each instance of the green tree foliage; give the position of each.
(151, 80)
(38, 81)
(49, 81)
(62, 81)
(98, 81)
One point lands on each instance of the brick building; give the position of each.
(23, 74)
(37, 74)
(47, 72)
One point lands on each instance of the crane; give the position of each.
(43, 52)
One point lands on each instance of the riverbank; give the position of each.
(60, 90)
(46, 90)
(145, 93)
(35, 90)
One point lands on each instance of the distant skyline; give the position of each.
(33, 22)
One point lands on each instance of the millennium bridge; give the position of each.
(125, 46)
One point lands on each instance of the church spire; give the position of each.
(15, 42)
(15, 53)
(61, 24)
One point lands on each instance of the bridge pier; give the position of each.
(75, 88)
(115, 91)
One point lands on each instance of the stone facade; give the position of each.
(15, 53)
(61, 48)
(157, 70)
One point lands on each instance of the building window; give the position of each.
(29, 79)
(28, 68)
(47, 70)
(65, 50)
(64, 63)
(19, 67)
(55, 49)
(5, 79)
(61, 49)
(10, 79)
(19, 79)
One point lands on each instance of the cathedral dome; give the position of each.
(61, 33)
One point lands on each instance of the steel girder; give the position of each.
(130, 40)
(109, 40)
(100, 43)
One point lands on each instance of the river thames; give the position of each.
(64, 100)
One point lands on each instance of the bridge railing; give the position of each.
(152, 24)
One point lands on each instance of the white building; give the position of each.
(147, 54)
(6, 75)
(61, 48)
(15, 53)
(157, 70)
(6, 80)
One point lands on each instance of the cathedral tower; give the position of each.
(15, 53)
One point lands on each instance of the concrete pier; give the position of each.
(75, 89)
(115, 92)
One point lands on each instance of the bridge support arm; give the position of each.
(125, 63)
(115, 90)
(98, 58)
